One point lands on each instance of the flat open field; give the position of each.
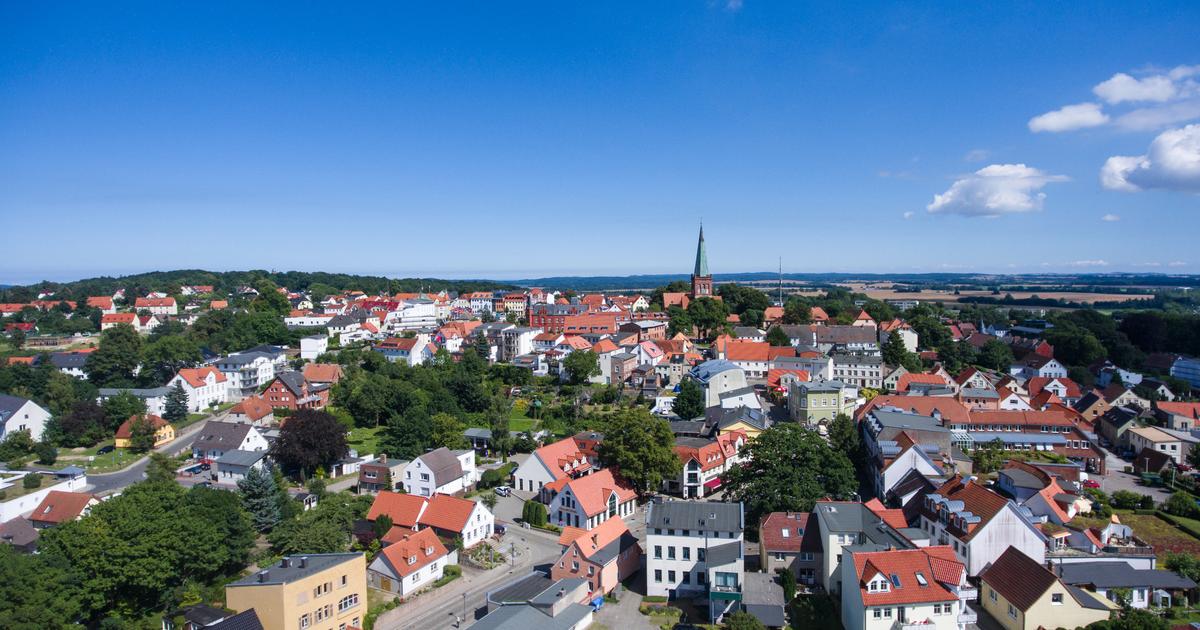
(885, 292)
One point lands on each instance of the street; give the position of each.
(111, 482)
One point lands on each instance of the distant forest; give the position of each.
(227, 281)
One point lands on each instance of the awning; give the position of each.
(715, 482)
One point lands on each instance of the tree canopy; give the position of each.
(641, 447)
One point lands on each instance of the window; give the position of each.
(807, 556)
(671, 552)
(305, 620)
(658, 552)
(887, 613)
(1012, 611)
(1056, 599)
(700, 554)
(348, 602)
(877, 613)
(992, 594)
(670, 576)
(687, 553)
(779, 556)
(658, 575)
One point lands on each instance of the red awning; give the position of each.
(715, 482)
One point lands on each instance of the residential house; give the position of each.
(20, 534)
(217, 438)
(791, 541)
(1180, 416)
(154, 398)
(704, 461)
(1113, 580)
(587, 502)
(313, 346)
(156, 306)
(820, 401)
(1036, 365)
(410, 350)
(604, 556)
(1063, 387)
(163, 431)
(1022, 594)
(322, 373)
(1114, 426)
(858, 370)
(695, 549)
(979, 524)
(22, 414)
(570, 457)
(908, 588)
(535, 601)
(454, 517)
(441, 471)
(899, 327)
(1092, 405)
(1156, 440)
(320, 590)
(205, 387)
(290, 390)
(410, 563)
(233, 466)
(381, 474)
(61, 507)
(718, 377)
(253, 410)
(848, 524)
(250, 370)
(102, 302)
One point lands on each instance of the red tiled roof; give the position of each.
(952, 411)
(976, 499)
(1038, 383)
(906, 380)
(905, 564)
(1191, 410)
(589, 542)
(152, 302)
(103, 302)
(125, 431)
(803, 534)
(253, 407)
(322, 372)
(410, 551)
(118, 318)
(446, 512)
(774, 375)
(196, 377)
(60, 507)
(893, 517)
(403, 509)
(592, 491)
(747, 351)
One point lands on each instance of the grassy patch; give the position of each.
(110, 462)
(449, 574)
(18, 489)
(365, 439)
(1164, 536)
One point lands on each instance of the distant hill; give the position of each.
(228, 281)
(924, 280)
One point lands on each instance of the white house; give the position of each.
(313, 347)
(249, 370)
(718, 377)
(457, 517)
(979, 524)
(205, 387)
(22, 414)
(410, 562)
(569, 457)
(590, 500)
(156, 305)
(217, 438)
(440, 471)
(695, 549)
(925, 588)
(155, 398)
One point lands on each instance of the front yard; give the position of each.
(1164, 536)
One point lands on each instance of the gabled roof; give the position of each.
(1188, 409)
(446, 512)
(223, 436)
(196, 377)
(322, 372)
(125, 431)
(1018, 578)
(904, 570)
(443, 465)
(951, 410)
(790, 532)
(411, 551)
(602, 544)
(593, 491)
(967, 496)
(60, 507)
(253, 407)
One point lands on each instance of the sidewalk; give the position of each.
(423, 610)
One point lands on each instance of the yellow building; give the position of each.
(1024, 595)
(324, 591)
(163, 431)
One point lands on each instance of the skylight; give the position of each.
(921, 579)
(896, 580)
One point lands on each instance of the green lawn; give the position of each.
(365, 439)
(108, 462)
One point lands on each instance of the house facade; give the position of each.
(441, 471)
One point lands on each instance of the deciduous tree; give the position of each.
(689, 402)
(309, 439)
(642, 448)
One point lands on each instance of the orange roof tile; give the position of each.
(125, 431)
(446, 512)
(253, 407)
(592, 491)
(931, 562)
(197, 377)
(410, 551)
(61, 507)
(403, 509)
(322, 372)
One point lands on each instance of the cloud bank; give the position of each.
(995, 190)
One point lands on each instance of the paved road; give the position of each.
(441, 608)
(1117, 479)
(111, 482)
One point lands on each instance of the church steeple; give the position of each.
(701, 268)
(701, 279)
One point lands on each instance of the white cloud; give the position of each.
(1122, 87)
(733, 5)
(995, 190)
(1069, 118)
(1110, 218)
(1147, 264)
(908, 215)
(1149, 118)
(1171, 163)
(977, 155)
(1176, 263)
(1087, 263)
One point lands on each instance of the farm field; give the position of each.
(881, 292)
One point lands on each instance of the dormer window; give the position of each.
(878, 584)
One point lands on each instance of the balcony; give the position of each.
(727, 593)
(914, 625)
(965, 592)
(968, 616)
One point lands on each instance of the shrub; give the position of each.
(1146, 503)
(31, 481)
(46, 453)
(1181, 504)
(1125, 499)
(534, 513)
(490, 479)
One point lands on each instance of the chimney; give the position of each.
(303, 561)
(383, 458)
(285, 562)
(263, 575)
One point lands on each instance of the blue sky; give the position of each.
(526, 139)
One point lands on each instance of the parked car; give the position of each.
(503, 491)
(105, 450)
(500, 529)
(1091, 483)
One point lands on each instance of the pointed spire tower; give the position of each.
(701, 279)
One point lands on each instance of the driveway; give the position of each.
(1117, 479)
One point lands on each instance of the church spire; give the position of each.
(701, 256)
